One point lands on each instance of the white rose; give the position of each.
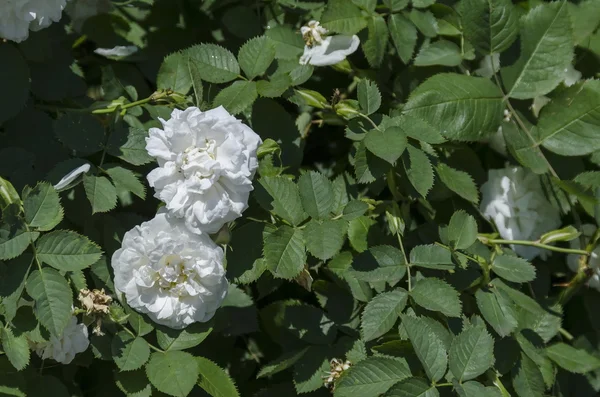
(514, 200)
(173, 275)
(17, 17)
(73, 340)
(206, 164)
(330, 50)
(594, 259)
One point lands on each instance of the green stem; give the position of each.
(443, 384)
(405, 261)
(364, 116)
(125, 107)
(130, 332)
(566, 334)
(575, 285)
(535, 244)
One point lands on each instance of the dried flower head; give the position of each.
(336, 368)
(94, 301)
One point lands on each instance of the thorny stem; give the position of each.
(487, 241)
(154, 97)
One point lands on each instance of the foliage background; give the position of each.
(352, 194)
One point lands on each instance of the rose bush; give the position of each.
(356, 198)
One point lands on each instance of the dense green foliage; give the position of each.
(363, 240)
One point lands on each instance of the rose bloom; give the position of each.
(73, 340)
(17, 17)
(514, 200)
(324, 51)
(206, 164)
(174, 276)
(594, 259)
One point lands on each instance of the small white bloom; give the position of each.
(514, 200)
(206, 164)
(119, 51)
(71, 176)
(594, 259)
(73, 340)
(489, 65)
(81, 10)
(330, 50)
(169, 273)
(313, 32)
(17, 17)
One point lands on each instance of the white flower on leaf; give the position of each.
(71, 176)
(514, 200)
(325, 51)
(206, 164)
(17, 17)
(174, 276)
(594, 259)
(73, 340)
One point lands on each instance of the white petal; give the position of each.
(330, 51)
(71, 176)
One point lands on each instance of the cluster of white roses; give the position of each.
(169, 268)
(18, 17)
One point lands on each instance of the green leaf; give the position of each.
(471, 353)
(256, 55)
(101, 193)
(513, 268)
(174, 372)
(462, 230)
(374, 47)
(53, 299)
(369, 97)
(42, 207)
(571, 359)
(437, 295)
(129, 144)
(497, 310)
(431, 257)
(125, 179)
(214, 63)
(80, 132)
(428, 347)
(342, 16)
(67, 250)
(196, 78)
(521, 147)
(14, 80)
(285, 361)
(388, 144)
(381, 263)
(174, 74)
(371, 377)
(237, 97)
(325, 238)
(354, 209)
(459, 182)
(463, 108)
(316, 193)
(419, 170)
(358, 231)
(12, 282)
(424, 21)
(275, 87)
(368, 167)
(546, 51)
(15, 240)
(476, 389)
(16, 348)
(174, 339)
(134, 383)
(288, 43)
(441, 52)
(588, 179)
(412, 387)
(285, 252)
(569, 124)
(381, 313)
(129, 353)
(286, 198)
(527, 378)
(491, 26)
(404, 36)
(214, 380)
